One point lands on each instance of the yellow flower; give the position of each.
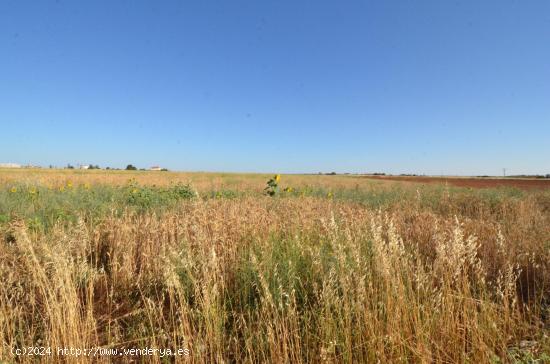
(32, 190)
(329, 195)
(69, 184)
(87, 186)
(13, 190)
(61, 188)
(135, 190)
(277, 178)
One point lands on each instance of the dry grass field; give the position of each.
(328, 269)
(473, 182)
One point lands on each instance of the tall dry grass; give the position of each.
(303, 279)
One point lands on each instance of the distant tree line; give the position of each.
(530, 176)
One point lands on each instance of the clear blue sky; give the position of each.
(453, 87)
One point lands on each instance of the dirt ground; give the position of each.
(474, 182)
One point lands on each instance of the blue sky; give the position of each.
(452, 87)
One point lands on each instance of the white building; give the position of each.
(84, 166)
(155, 168)
(10, 165)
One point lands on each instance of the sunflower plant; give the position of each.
(272, 187)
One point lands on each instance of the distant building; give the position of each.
(155, 168)
(84, 166)
(10, 165)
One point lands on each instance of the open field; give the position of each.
(473, 182)
(330, 269)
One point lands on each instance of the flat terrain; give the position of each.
(473, 182)
(283, 269)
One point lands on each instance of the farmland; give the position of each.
(328, 269)
(473, 182)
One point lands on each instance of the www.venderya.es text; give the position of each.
(98, 351)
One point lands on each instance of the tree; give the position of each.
(130, 167)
